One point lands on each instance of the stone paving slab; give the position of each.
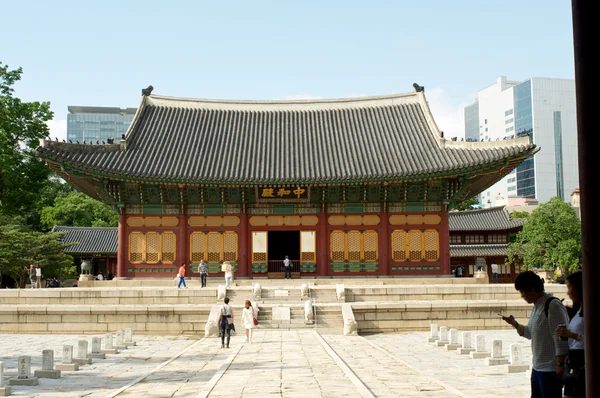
(279, 363)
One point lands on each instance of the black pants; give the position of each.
(287, 272)
(222, 333)
(203, 279)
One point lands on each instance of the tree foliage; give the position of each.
(76, 209)
(550, 238)
(21, 246)
(466, 204)
(22, 125)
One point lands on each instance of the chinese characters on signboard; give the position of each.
(282, 194)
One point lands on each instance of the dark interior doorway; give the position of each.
(283, 243)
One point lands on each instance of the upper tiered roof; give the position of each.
(221, 142)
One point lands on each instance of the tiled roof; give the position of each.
(266, 142)
(91, 240)
(491, 219)
(478, 250)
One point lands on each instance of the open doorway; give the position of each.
(283, 243)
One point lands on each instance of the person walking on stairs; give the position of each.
(181, 276)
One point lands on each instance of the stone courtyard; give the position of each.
(279, 363)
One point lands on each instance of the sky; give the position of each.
(102, 53)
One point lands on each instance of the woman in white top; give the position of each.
(228, 273)
(575, 370)
(248, 320)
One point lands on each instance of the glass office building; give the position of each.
(97, 124)
(545, 110)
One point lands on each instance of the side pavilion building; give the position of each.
(357, 186)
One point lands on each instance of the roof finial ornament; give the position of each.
(418, 88)
(147, 91)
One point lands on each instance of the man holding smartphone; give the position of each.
(548, 350)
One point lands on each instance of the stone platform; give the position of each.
(378, 305)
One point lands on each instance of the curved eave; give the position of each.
(473, 173)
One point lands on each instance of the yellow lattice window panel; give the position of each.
(259, 257)
(354, 246)
(431, 241)
(370, 246)
(152, 247)
(136, 247)
(169, 247)
(399, 245)
(338, 246)
(213, 247)
(432, 219)
(354, 238)
(197, 246)
(230, 246)
(415, 247)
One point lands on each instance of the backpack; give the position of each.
(547, 304)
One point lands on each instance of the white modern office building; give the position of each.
(543, 108)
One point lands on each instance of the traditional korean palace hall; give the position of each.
(344, 187)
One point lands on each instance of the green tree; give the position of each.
(551, 237)
(21, 246)
(22, 125)
(76, 209)
(466, 204)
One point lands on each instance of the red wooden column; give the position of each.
(243, 263)
(182, 244)
(385, 265)
(322, 246)
(444, 233)
(122, 245)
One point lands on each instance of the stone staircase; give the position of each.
(378, 305)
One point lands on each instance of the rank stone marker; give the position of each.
(433, 333)
(453, 345)
(4, 391)
(497, 358)
(119, 341)
(82, 353)
(466, 344)
(67, 364)
(516, 360)
(443, 337)
(108, 345)
(48, 371)
(480, 351)
(97, 349)
(24, 377)
(129, 338)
